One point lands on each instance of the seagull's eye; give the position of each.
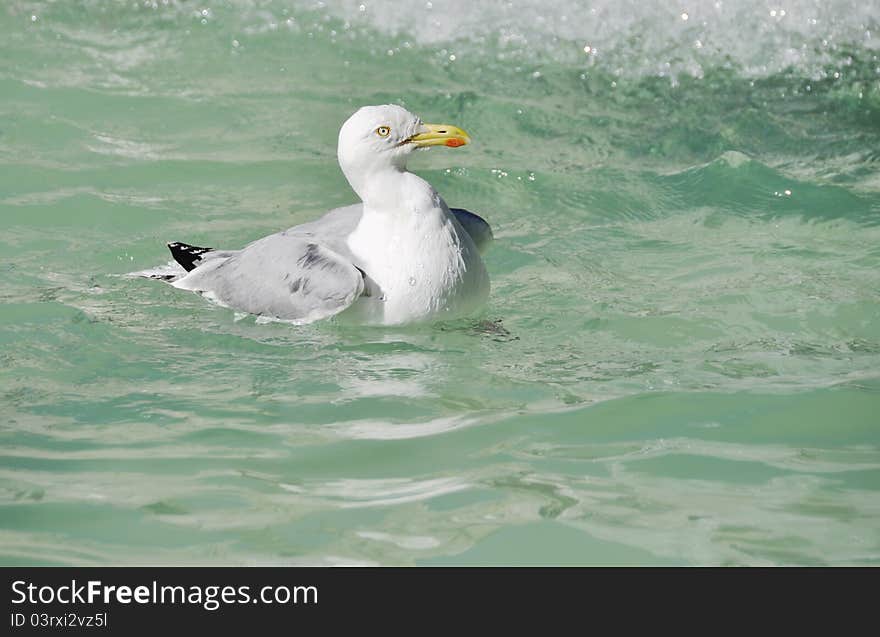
(383, 131)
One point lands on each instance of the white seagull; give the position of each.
(401, 256)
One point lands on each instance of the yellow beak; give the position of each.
(440, 135)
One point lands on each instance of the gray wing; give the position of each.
(285, 275)
(333, 228)
(476, 226)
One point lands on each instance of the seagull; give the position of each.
(401, 256)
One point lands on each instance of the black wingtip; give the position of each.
(186, 255)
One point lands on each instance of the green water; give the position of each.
(679, 363)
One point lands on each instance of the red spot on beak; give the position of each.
(454, 142)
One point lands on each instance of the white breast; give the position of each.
(420, 263)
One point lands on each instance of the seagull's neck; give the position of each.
(394, 190)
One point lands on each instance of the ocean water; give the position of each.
(679, 362)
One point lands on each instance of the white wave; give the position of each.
(632, 37)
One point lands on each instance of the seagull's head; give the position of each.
(381, 137)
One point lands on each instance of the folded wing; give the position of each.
(284, 275)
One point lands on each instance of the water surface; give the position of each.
(679, 363)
